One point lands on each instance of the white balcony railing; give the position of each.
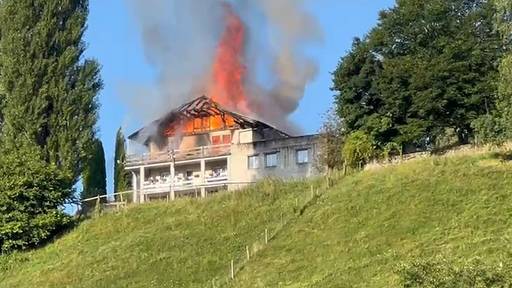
(164, 184)
(179, 155)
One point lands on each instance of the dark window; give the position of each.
(272, 159)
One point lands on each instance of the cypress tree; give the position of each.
(120, 175)
(94, 176)
(50, 89)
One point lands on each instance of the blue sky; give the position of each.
(113, 39)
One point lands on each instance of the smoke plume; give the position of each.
(248, 55)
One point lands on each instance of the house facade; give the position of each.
(201, 148)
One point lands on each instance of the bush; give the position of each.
(32, 193)
(448, 274)
(358, 149)
(331, 134)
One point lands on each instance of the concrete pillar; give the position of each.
(173, 173)
(228, 169)
(142, 176)
(203, 178)
(134, 187)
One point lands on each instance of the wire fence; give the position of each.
(236, 263)
(117, 201)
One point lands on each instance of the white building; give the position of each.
(201, 148)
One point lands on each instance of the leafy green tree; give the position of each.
(331, 134)
(504, 24)
(428, 67)
(95, 177)
(50, 89)
(31, 195)
(121, 179)
(358, 149)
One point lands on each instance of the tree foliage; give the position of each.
(121, 177)
(31, 194)
(95, 177)
(48, 111)
(50, 90)
(427, 67)
(504, 25)
(331, 142)
(358, 149)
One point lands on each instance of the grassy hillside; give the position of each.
(186, 243)
(356, 236)
(353, 235)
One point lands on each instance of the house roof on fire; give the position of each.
(199, 107)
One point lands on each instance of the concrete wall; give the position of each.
(287, 166)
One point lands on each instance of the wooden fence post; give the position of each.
(232, 269)
(266, 236)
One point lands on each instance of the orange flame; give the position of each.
(200, 125)
(228, 71)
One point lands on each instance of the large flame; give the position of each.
(200, 125)
(228, 70)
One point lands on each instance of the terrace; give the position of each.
(176, 155)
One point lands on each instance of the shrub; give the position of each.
(358, 149)
(448, 274)
(331, 134)
(32, 193)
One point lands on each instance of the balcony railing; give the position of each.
(179, 155)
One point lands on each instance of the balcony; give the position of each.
(160, 184)
(179, 155)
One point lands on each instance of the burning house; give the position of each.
(221, 142)
(201, 148)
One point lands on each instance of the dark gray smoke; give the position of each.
(180, 39)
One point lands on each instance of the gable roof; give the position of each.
(197, 108)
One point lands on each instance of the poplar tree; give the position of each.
(50, 88)
(48, 109)
(120, 174)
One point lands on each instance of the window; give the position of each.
(271, 159)
(302, 156)
(226, 139)
(254, 162)
(216, 140)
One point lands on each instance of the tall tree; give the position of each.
(50, 89)
(95, 177)
(120, 175)
(437, 65)
(504, 24)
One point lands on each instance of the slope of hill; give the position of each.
(352, 235)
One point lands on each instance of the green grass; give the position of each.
(353, 235)
(186, 243)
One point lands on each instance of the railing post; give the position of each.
(203, 178)
(173, 175)
(141, 190)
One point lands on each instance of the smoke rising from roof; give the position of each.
(181, 39)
